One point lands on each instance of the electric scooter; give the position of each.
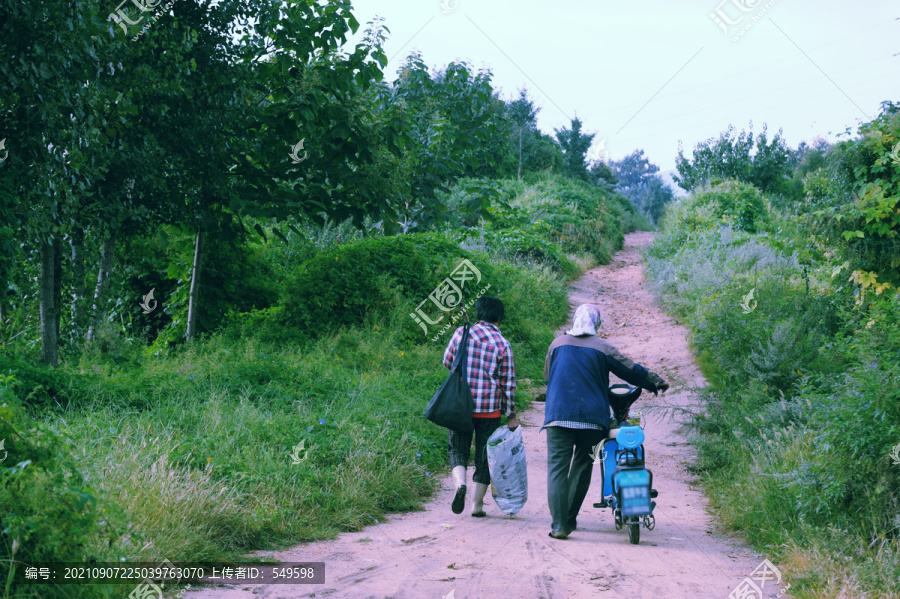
(627, 484)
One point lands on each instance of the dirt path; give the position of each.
(438, 554)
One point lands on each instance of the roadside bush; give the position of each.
(471, 200)
(41, 386)
(578, 217)
(857, 196)
(518, 246)
(735, 204)
(372, 281)
(47, 511)
(685, 218)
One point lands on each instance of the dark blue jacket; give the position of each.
(577, 372)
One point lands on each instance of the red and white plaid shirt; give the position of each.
(490, 371)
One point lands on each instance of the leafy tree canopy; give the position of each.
(575, 145)
(762, 163)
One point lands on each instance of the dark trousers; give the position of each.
(459, 445)
(569, 467)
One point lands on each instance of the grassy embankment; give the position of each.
(804, 403)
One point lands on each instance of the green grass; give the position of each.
(204, 463)
(202, 467)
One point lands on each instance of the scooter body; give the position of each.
(627, 483)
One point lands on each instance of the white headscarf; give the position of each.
(587, 320)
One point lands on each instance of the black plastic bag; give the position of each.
(452, 405)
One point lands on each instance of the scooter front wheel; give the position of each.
(634, 533)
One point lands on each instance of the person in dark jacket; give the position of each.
(577, 412)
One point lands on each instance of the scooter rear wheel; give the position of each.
(634, 533)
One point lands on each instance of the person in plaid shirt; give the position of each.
(491, 376)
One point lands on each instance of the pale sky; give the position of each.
(646, 74)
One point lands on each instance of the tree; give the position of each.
(767, 165)
(639, 181)
(52, 107)
(807, 158)
(603, 175)
(633, 169)
(453, 126)
(651, 197)
(222, 88)
(575, 145)
(523, 114)
(811, 157)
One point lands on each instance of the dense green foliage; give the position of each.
(48, 512)
(804, 407)
(720, 203)
(854, 196)
(575, 144)
(761, 163)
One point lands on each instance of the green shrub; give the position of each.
(577, 216)
(356, 283)
(516, 245)
(857, 196)
(47, 511)
(735, 204)
(685, 218)
(471, 201)
(42, 386)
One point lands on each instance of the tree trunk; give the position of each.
(106, 255)
(4, 287)
(77, 243)
(520, 154)
(57, 283)
(193, 304)
(48, 311)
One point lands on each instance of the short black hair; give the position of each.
(489, 309)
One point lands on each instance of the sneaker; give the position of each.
(459, 500)
(559, 535)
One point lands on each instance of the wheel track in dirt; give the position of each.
(686, 556)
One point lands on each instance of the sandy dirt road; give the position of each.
(437, 554)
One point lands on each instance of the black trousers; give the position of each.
(569, 467)
(459, 445)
